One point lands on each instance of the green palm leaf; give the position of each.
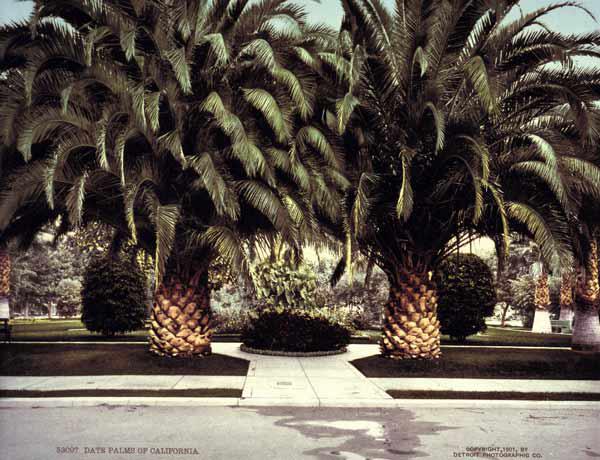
(554, 249)
(213, 182)
(313, 137)
(405, 203)
(75, 199)
(166, 220)
(266, 104)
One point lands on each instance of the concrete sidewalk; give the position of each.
(286, 381)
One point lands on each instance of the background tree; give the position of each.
(517, 264)
(69, 299)
(39, 274)
(523, 294)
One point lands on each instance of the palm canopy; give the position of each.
(460, 123)
(187, 126)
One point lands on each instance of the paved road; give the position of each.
(297, 433)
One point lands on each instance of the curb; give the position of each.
(407, 404)
(291, 354)
(35, 403)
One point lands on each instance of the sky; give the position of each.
(330, 12)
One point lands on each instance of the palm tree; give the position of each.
(541, 318)
(4, 279)
(586, 327)
(566, 298)
(187, 126)
(452, 122)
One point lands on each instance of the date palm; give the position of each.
(187, 126)
(566, 298)
(4, 277)
(452, 120)
(586, 327)
(541, 318)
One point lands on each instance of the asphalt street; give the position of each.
(138, 432)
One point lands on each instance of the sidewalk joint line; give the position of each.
(177, 383)
(310, 382)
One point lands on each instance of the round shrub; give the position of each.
(466, 295)
(113, 296)
(295, 330)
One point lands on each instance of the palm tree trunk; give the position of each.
(541, 318)
(4, 280)
(411, 329)
(566, 298)
(369, 273)
(586, 330)
(505, 308)
(181, 317)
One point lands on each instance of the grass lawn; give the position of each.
(64, 330)
(135, 359)
(496, 336)
(73, 330)
(488, 364)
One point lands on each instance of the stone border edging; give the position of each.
(291, 354)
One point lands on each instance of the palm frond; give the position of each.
(171, 141)
(166, 220)
(74, 200)
(266, 104)
(405, 203)
(313, 137)
(218, 48)
(222, 196)
(178, 60)
(555, 250)
(344, 108)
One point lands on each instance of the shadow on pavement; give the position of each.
(358, 433)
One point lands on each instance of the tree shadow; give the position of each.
(358, 433)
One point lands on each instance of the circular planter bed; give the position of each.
(294, 354)
(281, 332)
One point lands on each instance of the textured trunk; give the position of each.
(4, 282)
(566, 298)
(541, 319)
(504, 313)
(411, 329)
(586, 330)
(369, 273)
(181, 318)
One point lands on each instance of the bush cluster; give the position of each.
(281, 284)
(230, 320)
(295, 330)
(114, 296)
(466, 295)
